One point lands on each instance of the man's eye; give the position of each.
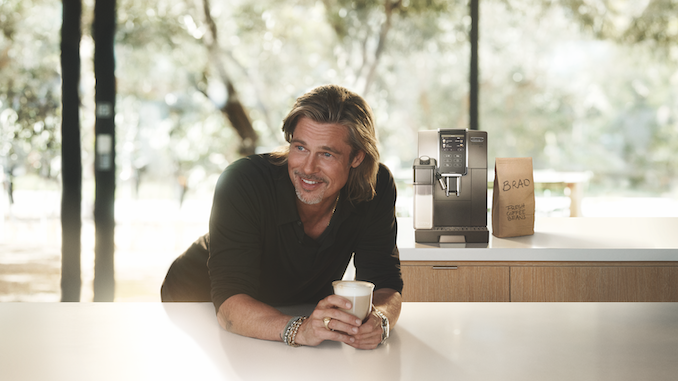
(300, 148)
(327, 154)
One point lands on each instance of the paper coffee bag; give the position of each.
(513, 197)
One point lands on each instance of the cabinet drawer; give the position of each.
(455, 283)
(594, 284)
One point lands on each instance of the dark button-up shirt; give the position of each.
(258, 246)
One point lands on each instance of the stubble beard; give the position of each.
(305, 197)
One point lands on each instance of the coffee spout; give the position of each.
(448, 189)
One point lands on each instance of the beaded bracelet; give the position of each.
(283, 334)
(291, 330)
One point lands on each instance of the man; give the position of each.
(285, 225)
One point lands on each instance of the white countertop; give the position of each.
(559, 239)
(432, 341)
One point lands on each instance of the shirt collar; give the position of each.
(285, 197)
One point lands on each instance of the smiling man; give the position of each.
(285, 225)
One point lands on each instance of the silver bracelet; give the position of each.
(385, 326)
(291, 329)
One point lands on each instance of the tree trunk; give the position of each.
(104, 162)
(389, 6)
(236, 114)
(233, 110)
(71, 164)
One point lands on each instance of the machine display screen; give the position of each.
(452, 154)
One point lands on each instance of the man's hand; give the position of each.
(341, 327)
(369, 333)
(388, 302)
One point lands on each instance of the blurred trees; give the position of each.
(363, 29)
(575, 84)
(584, 85)
(29, 87)
(188, 59)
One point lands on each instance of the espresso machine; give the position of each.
(450, 187)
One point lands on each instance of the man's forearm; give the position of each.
(389, 302)
(247, 316)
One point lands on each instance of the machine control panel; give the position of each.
(452, 152)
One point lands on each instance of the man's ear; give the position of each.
(359, 157)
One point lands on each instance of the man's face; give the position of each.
(319, 160)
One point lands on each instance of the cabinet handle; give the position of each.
(444, 267)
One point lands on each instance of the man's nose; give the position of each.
(310, 164)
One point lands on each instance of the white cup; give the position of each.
(359, 293)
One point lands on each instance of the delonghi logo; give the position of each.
(477, 139)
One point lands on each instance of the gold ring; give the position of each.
(327, 321)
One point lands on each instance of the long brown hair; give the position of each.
(332, 104)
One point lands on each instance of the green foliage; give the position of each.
(29, 86)
(657, 23)
(575, 84)
(579, 95)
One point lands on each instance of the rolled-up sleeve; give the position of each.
(235, 242)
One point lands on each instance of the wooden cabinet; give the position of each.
(540, 281)
(450, 282)
(595, 283)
